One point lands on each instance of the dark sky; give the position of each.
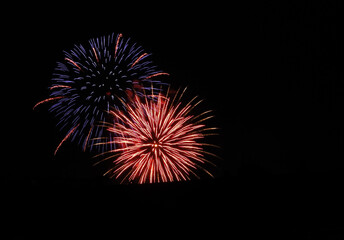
(271, 71)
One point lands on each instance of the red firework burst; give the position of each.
(158, 140)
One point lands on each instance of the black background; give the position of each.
(272, 72)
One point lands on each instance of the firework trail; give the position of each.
(91, 79)
(158, 140)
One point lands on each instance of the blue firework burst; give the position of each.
(91, 79)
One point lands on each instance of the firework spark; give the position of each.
(91, 79)
(158, 140)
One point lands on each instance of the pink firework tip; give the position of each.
(157, 140)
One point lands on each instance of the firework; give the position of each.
(92, 78)
(158, 140)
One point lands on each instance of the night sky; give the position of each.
(272, 73)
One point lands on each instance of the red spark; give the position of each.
(74, 63)
(95, 54)
(59, 86)
(88, 136)
(138, 59)
(117, 42)
(157, 141)
(47, 100)
(65, 138)
(157, 74)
